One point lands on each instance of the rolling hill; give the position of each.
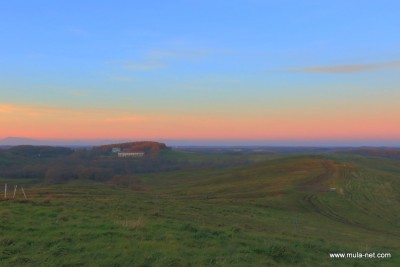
(291, 210)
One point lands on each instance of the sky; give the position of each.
(295, 72)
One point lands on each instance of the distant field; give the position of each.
(275, 210)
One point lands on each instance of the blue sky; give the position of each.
(202, 58)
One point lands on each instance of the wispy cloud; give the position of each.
(121, 78)
(124, 119)
(145, 66)
(139, 65)
(28, 110)
(12, 111)
(176, 54)
(156, 59)
(7, 108)
(78, 93)
(58, 122)
(350, 68)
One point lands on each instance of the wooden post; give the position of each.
(23, 192)
(5, 191)
(15, 190)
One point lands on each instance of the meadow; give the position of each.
(272, 210)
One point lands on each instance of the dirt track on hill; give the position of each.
(313, 203)
(315, 184)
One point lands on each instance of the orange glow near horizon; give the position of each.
(60, 123)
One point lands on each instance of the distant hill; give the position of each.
(393, 153)
(16, 141)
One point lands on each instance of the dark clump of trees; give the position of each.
(39, 151)
(20, 172)
(61, 173)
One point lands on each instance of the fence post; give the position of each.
(15, 190)
(24, 192)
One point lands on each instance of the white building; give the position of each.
(137, 154)
(116, 150)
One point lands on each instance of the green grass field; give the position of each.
(272, 212)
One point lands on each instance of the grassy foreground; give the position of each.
(278, 212)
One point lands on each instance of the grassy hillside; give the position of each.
(272, 212)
